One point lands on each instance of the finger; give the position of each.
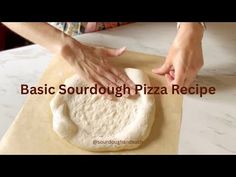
(113, 86)
(103, 73)
(103, 81)
(106, 52)
(189, 79)
(126, 80)
(107, 79)
(118, 83)
(105, 95)
(113, 78)
(106, 82)
(169, 79)
(98, 74)
(163, 69)
(180, 74)
(93, 81)
(172, 73)
(115, 82)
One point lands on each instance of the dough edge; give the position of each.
(57, 101)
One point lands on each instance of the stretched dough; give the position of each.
(96, 124)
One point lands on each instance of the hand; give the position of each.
(92, 64)
(185, 57)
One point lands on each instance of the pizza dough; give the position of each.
(96, 124)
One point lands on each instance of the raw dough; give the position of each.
(96, 124)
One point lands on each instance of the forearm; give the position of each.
(189, 34)
(91, 63)
(42, 34)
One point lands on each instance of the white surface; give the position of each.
(18, 66)
(208, 123)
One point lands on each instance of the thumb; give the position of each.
(163, 69)
(113, 52)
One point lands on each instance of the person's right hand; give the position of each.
(92, 64)
(185, 57)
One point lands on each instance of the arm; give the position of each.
(185, 57)
(42, 34)
(90, 63)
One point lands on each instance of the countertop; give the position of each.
(208, 123)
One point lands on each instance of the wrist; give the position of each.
(68, 48)
(190, 33)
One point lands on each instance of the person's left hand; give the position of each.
(185, 57)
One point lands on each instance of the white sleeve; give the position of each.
(202, 23)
